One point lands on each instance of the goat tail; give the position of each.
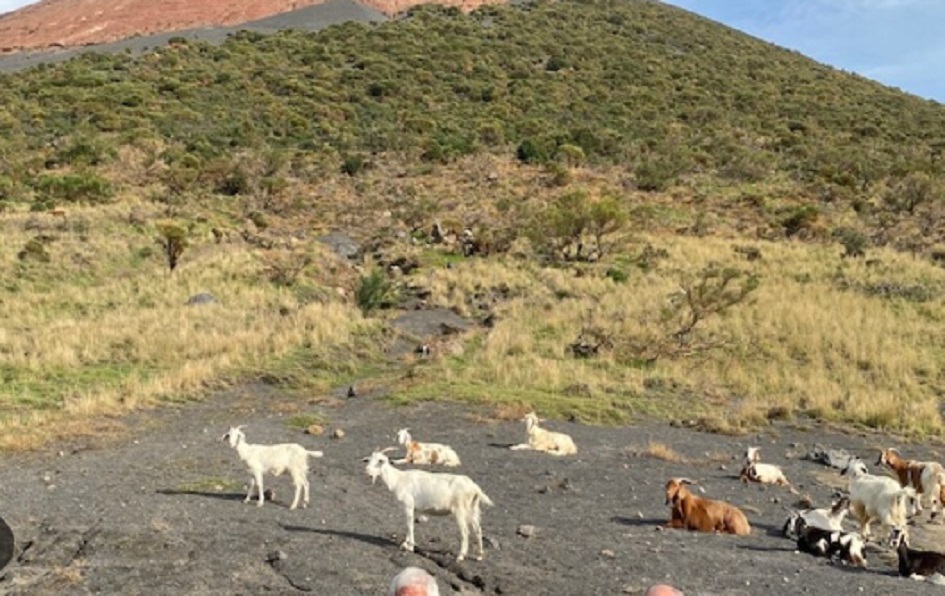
(315, 453)
(485, 499)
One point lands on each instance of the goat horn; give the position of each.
(687, 481)
(387, 449)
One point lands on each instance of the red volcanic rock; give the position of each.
(70, 23)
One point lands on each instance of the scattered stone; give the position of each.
(314, 429)
(526, 530)
(276, 558)
(201, 298)
(835, 458)
(342, 245)
(269, 494)
(493, 543)
(608, 553)
(351, 392)
(338, 434)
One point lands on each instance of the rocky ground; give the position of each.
(158, 508)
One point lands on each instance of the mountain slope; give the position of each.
(685, 152)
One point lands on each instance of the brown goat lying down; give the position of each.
(702, 515)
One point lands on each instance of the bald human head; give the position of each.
(413, 581)
(662, 590)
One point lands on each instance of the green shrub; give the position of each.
(375, 291)
(84, 187)
(35, 250)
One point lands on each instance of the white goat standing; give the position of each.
(540, 439)
(433, 494)
(877, 498)
(275, 459)
(425, 453)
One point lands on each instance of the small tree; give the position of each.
(915, 189)
(574, 226)
(711, 292)
(604, 217)
(173, 239)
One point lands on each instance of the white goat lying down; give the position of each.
(878, 498)
(425, 453)
(420, 491)
(275, 459)
(540, 439)
(756, 471)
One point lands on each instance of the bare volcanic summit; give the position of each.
(72, 23)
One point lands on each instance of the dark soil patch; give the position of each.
(159, 510)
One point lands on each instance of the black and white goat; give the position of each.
(824, 518)
(917, 564)
(847, 547)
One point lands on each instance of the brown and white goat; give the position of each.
(702, 515)
(425, 453)
(926, 477)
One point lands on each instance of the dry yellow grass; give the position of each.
(103, 328)
(812, 340)
(662, 451)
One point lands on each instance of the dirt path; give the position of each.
(145, 514)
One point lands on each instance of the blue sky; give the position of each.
(8, 5)
(900, 43)
(896, 42)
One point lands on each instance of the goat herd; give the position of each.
(870, 498)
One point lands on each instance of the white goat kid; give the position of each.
(274, 459)
(540, 439)
(420, 491)
(756, 471)
(425, 453)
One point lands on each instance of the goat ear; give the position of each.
(687, 481)
(388, 449)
